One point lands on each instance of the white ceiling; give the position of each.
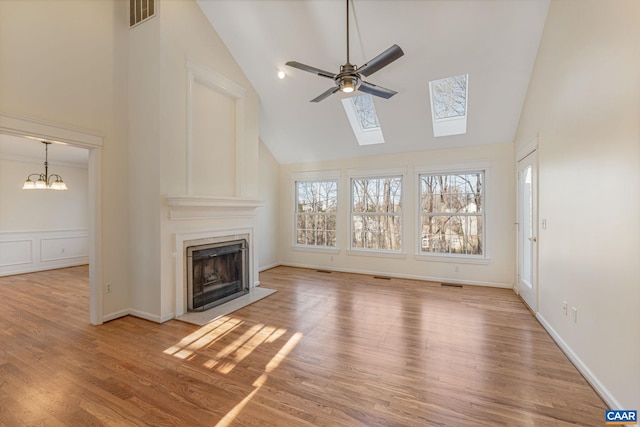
(494, 41)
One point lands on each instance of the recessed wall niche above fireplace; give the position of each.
(216, 273)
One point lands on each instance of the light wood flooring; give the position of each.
(328, 349)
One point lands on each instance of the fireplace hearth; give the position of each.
(216, 273)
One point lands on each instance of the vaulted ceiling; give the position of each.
(493, 41)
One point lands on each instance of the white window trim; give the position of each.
(314, 176)
(377, 173)
(378, 253)
(317, 249)
(453, 168)
(318, 175)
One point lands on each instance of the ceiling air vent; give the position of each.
(141, 10)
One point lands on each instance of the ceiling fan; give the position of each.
(350, 77)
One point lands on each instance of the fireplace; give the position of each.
(216, 273)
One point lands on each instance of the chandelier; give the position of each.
(44, 179)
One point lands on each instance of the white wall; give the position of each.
(584, 101)
(41, 229)
(145, 146)
(268, 231)
(158, 132)
(28, 210)
(498, 271)
(65, 62)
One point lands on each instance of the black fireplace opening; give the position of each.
(216, 273)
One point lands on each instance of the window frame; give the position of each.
(316, 176)
(454, 169)
(378, 174)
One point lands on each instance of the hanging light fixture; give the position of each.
(44, 179)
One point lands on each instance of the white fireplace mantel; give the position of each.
(185, 207)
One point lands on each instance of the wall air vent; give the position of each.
(141, 10)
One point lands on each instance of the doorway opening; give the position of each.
(528, 230)
(26, 127)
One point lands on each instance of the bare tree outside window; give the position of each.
(366, 111)
(316, 213)
(449, 97)
(452, 213)
(376, 213)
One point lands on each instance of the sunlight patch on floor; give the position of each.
(204, 336)
(262, 379)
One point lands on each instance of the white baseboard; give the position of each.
(52, 266)
(270, 266)
(403, 276)
(137, 313)
(602, 391)
(148, 316)
(115, 315)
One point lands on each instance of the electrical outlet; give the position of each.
(456, 269)
(107, 289)
(565, 308)
(574, 312)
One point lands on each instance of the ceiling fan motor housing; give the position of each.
(348, 80)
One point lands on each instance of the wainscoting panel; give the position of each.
(29, 251)
(60, 248)
(15, 252)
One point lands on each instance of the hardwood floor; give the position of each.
(328, 349)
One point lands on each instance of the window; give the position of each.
(376, 213)
(449, 105)
(363, 118)
(316, 211)
(452, 213)
(366, 111)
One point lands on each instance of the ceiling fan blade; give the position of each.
(311, 69)
(325, 94)
(380, 61)
(372, 89)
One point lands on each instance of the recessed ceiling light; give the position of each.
(281, 74)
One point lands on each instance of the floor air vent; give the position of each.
(451, 285)
(323, 271)
(382, 277)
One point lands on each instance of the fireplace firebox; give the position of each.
(216, 273)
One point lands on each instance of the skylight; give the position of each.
(449, 105)
(363, 118)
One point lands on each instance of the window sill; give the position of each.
(316, 249)
(457, 259)
(378, 254)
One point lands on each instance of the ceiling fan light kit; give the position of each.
(350, 77)
(348, 83)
